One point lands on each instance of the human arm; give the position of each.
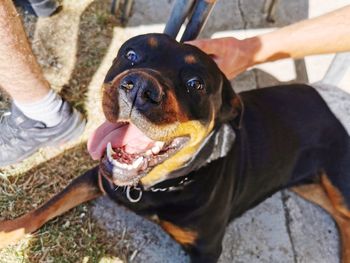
(329, 33)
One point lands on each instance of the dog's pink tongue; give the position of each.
(118, 134)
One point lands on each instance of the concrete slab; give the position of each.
(238, 14)
(144, 239)
(260, 235)
(313, 233)
(269, 13)
(227, 14)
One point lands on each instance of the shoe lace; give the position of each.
(7, 132)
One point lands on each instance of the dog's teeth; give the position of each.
(129, 167)
(137, 163)
(159, 144)
(119, 164)
(155, 149)
(110, 152)
(134, 166)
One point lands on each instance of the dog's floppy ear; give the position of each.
(232, 106)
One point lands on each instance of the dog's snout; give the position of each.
(142, 90)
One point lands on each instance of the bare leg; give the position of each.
(38, 116)
(20, 74)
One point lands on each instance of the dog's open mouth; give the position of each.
(126, 154)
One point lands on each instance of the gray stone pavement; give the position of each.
(284, 228)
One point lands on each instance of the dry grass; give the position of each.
(73, 237)
(69, 238)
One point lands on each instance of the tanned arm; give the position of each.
(329, 33)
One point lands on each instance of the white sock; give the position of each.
(45, 110)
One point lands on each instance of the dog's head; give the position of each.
(161, 99)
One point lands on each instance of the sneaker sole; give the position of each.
(75, 130)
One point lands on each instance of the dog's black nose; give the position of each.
(142, 90)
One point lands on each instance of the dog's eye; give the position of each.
(195, 83)
(131, 55)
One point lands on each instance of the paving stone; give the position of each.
(260, 235)
(146, 239)
(271, 13)
(313, 232)
(227, 14)
(146, 12)
(288, 12)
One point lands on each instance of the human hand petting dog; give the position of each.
(233, 56)
(329, 33)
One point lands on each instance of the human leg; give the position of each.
(38, 115)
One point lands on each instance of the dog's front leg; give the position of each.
(80, 190)
(202, 243)
(207, 246)
(205, 251)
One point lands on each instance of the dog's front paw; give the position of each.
(10, 232)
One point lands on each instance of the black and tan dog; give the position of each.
(194, 155)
